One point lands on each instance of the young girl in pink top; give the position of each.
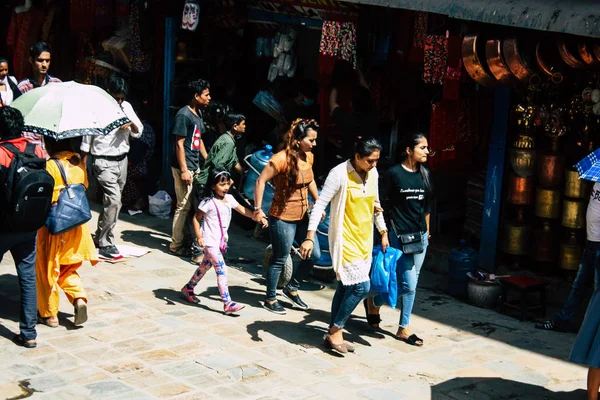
(214, 216)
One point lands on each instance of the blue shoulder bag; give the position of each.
(72, 208)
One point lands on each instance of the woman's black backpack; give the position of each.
(26, 191)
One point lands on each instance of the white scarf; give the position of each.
(7, 96)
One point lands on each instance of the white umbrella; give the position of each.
(69, 109)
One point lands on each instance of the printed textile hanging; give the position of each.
(443, 132)
(454, 69)
(419, 32)
(436, 59)
(338, 39)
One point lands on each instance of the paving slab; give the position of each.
(142, 341)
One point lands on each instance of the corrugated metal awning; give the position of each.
(578, 17)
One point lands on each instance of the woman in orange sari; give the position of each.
(59, 256)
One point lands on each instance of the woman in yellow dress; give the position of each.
(353, 191)
(59, 256)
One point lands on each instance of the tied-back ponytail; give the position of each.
(298, 131)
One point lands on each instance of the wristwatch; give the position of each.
(257, 209)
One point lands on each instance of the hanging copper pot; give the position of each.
(586, 53)
(545, 246)
(550, 167)
(521, 191)
(569, 54)
(518, 61)
(573, 215)
(524, 142)
(497, 64)
(548, 59)
(596, 50)
(516, 238)
(522, 162)
(570, 253)
(574, 187)
(473, 54)
(547, 203)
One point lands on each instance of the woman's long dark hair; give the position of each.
(298, 131)
(412, 140)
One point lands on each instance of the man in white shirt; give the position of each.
(109, 154)
(586, 272)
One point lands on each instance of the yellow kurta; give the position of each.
(59, 256)
(358, 221)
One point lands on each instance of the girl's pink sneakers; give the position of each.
(232, 307)
(189, 295)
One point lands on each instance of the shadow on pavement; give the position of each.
(10, 295)
(6, 333)
(432, 303)
(161, 225)
(498, 388)
(304, 333)
(174, 297)
(150, 239)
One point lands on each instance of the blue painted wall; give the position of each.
(169, 74)
(495, 174)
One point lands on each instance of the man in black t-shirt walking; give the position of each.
(185, 162)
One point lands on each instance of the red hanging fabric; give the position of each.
(419, 32)
(454, 69)
(436, 59)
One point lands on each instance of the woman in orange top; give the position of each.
(293, 178)
(59, 256)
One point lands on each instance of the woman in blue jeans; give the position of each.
(407, 188)
(586, 349)
(353, 190)
(292, 174)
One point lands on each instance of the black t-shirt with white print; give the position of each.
(407, 200)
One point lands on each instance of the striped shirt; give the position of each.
(27, 84)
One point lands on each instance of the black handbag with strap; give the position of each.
(410, 243)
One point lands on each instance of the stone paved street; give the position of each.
(141, 341)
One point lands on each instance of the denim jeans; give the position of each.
(283, 234)
(345, 300)
(587, 271)
(408, 269)
(22, 249)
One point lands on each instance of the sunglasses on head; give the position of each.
(308, 123)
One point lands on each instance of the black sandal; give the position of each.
(19, 340)
(372, 319)
(412, 340)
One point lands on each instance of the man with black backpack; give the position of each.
(25, 198)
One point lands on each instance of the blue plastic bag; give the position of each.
(380, 275)
(383, 274)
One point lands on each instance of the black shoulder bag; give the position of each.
(410, 243)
